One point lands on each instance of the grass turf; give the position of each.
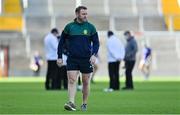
(148, 97)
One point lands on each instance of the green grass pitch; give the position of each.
(150, 97)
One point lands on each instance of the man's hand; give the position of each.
(93, 59)
(59, 62)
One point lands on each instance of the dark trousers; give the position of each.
(62, 77)
(51, 76)
(113, 69)
(129, 68)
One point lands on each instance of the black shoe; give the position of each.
(70, 106)
(127, 88)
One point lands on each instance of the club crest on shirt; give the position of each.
(85, 32)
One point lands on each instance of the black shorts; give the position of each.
(81, 64)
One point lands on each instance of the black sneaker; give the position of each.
(127, 88)
(70, 106)
(84, 107)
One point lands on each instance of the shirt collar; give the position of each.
(75, 20)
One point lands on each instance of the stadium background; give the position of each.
(24, 23)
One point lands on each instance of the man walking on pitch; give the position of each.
(80, 36)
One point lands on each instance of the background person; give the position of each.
(116, 54)
(36, 63)
(51, 45)
(130, 59)
(145, 62)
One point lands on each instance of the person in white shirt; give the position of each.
(51, 44)
(116, 53)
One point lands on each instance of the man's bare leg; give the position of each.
(86, 82)
(72, 78)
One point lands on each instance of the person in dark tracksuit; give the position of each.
(130, 59)
(82, 46)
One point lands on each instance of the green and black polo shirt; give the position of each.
(81, 40)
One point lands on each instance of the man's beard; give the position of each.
(82, 20)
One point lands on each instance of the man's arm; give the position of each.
(132, 50)
(54, 43)
(122, 51)
(110, 48)
(95, 40)
(60, 45)
(64, 36)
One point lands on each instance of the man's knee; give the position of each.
(71, 80)
(72, 76)
(86, 82)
